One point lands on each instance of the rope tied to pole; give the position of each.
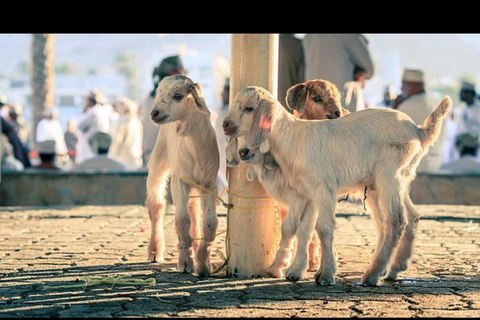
(228, 206)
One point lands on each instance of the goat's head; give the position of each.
(237, 150)
(251, 114)
(176, 97)
(315, 99)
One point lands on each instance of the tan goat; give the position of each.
(300, 210)
(186, 150)
(376, 149)
(317, 99)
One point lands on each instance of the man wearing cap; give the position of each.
(467, 145)
(168, 66)
(47, 154)
(49, 128)
(417, 103)
(96, 117)
(469, 117)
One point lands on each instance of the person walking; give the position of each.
(128, 135)
(95, 118)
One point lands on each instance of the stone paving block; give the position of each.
(59, 246)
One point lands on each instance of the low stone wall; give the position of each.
(72, 188)
(118, 188)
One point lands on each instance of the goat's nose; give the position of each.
(154, 113)
(243, 152)
(338, 113)
(225, 124)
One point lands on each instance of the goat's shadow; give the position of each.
(52, 292)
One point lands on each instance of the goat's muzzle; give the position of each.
(334, 115)
(159, 116)
(246, 154)
(228, 128)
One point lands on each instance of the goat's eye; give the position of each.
(317, 99)
(178, 96)
(249, 109)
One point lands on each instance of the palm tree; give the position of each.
(43, 73)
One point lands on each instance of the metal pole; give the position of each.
(254, 222)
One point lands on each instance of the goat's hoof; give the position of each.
(395, 270)
(186, 266)
(204, 271)
(155, 251)
(294, 276)
(275, 272)
(155, 257)
(370, 281)
(393, 274)
(324, 280)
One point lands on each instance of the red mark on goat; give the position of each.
(265, 122)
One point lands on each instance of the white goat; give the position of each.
(186, 149)
(300, 209)
(377, 149)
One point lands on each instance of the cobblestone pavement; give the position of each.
(48, 254)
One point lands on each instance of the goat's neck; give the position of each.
(281, 136)
(195, 126)
(281, 130)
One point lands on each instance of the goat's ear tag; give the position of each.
(250, 173)
(264, 146)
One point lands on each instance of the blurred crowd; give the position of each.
(106, 136)
(119, 135)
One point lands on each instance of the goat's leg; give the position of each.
(391, 199)
(194, 223)
(325, 227)
(304, 232)
(405, 247)
(180, 193)
(156, 204)
(374, 206)
(284, 253)
(209, 228)
(314, 253)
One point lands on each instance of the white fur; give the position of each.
(261, 165)
(186, 150)
(374, 148)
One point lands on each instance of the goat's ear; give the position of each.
(261, 124)
(269, 162)
(196, 90)
(345, 112)
(231, 153)
(250, 173)
(297, 97)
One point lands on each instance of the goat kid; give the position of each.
(295, 223)
(186, 149)
(315, 99)
(375, 148)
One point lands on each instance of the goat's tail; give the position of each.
(433, 124)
